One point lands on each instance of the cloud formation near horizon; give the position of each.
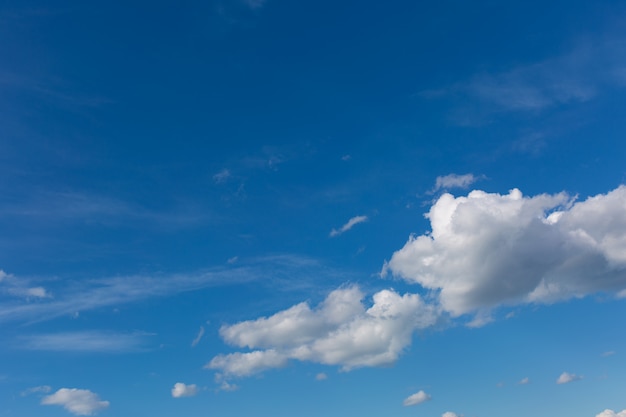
(488, 249)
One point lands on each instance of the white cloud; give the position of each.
(42, 388)
(454, 181)
(321, 376)
(611, 413)
(566, 377)
(608, 353)
(19, 288)
(340, 331)
(73, 296)
(488, 249)
(417, 398)
(84, 341)
(81, 402)
(183, 390)
(255, 4)
(225, 386)
(246, 364)
(450, 414)
(222, 176)
(198, 337)
(524, 381)
(349, 225)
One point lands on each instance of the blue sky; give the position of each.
(273, 208)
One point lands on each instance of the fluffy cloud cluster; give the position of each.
(81, 402)
(449, 414)
(417, 398)
(340, 331)
(491, 249)
(611, 413)
(183, 390)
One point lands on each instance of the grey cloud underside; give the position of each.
(486, 250)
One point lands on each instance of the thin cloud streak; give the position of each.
(85, 341)
(91, 294)
(349, 225)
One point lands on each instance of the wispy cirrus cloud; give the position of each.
(348, 225)
(198, 337)
(587, 71)
(72, 296)
(84, 341)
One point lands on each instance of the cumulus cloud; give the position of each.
(566, 377)
(524, 381)
(183, 390)
(454, 181)
(339, 331)
(321, 376)
(417, 398)
(81, 402)
(349, 225)
(611, 413)
(449, 414)
(488, 249)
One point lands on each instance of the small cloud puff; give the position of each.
(611, 413)
(566, 377)
(450, 414)
(321, 376)
(81, 402)
(524, 381)
(222, 176)
(449, 181)
(183, 390)
(349, 225)
(417, 398)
